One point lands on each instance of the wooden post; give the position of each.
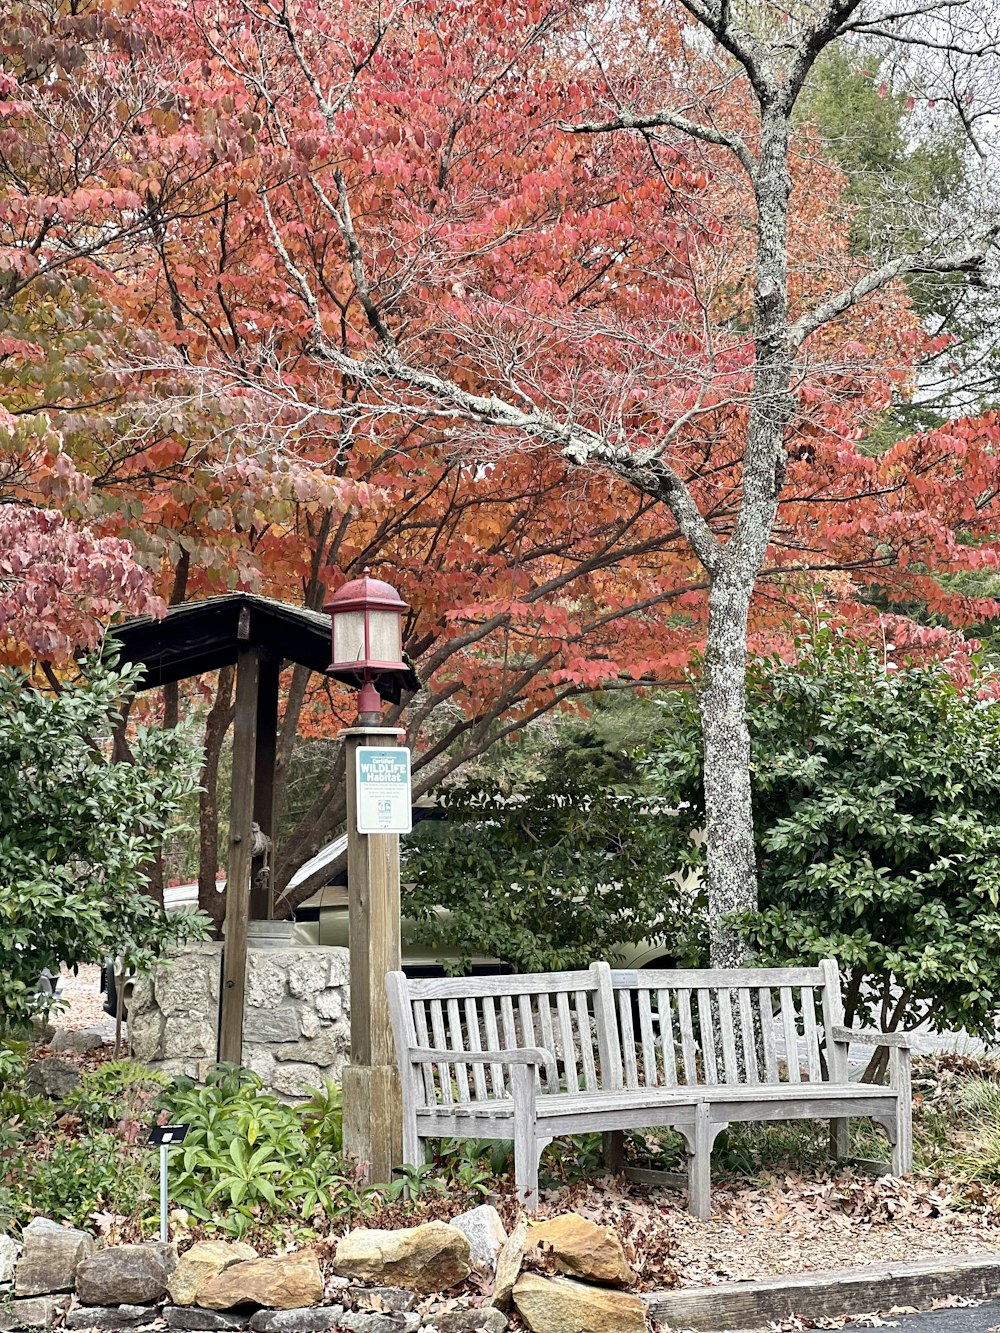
(234, 958)
(262, 874)
(373, 1124)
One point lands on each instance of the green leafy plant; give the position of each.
(249, 1159)
(876, 787)
(116, 1091)
(550, 875)
(78, 831)
(70, 1179)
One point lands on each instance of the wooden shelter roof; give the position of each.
(203, 636)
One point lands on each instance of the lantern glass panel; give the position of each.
(348, 637)
(384, 636)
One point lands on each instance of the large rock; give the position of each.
(38, 1312)
(53, 1077)
(330, 1004)
(266, 980)
(50, 1257)
(483, 1229)
(126, 1274)
(307, 973)
(322, 1050)
(208, 1258)
(428, 1258)
(69, 1039)
(281, 1283)
(145, 1034)
(509, 1266)
(10, 1252)
(104, 1317)
(203, 1321)
(295, 1079)
(316, 1320)
(575, 1245)
(189, 1038)
(560, 1305)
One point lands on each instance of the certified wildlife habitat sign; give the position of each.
(383, 787)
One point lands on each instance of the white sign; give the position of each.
(383, 789)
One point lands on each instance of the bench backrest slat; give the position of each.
(610, 1028)
(555, 1011)
(701, 1028)
(730, 1062)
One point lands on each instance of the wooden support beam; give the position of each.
(373, 1126)
(262, 875)
(234, 960)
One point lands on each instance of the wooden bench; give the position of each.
(532, 1057)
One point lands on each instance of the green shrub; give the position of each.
(876, 791)
(249, 1160)
(115, 1092)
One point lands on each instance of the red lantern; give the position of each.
(366, 618)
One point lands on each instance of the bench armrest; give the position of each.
(519, 1055)
(867, 1037)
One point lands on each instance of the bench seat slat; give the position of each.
(767, 1034)
(566, 1037)
(630, 1070)
(811, 1035)
(423, 1037)
(648, 1040)
(548, 1041)
(664, 1009)
(475, 1044)
(493, 1044)
(586, 1041)
(458, 1042)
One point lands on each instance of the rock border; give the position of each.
(737, 1307)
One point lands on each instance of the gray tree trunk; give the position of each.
(732, 880)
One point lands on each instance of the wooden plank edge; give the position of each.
(825, 1294)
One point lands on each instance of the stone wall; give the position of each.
(296, 1022)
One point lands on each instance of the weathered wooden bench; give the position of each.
(532, 1057)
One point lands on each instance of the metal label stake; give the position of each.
(164, 1137)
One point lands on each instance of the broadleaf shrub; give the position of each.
(876, 789)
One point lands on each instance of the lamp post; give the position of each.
(366, 628)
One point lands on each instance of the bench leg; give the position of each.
(613, 1151)
(700, 1138)
(899, 1078)
(527, 1148)
(840, 1138)
(526, 1155)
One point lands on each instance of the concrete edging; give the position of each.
(751, 1305)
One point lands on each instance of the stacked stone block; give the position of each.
(296, 1023)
